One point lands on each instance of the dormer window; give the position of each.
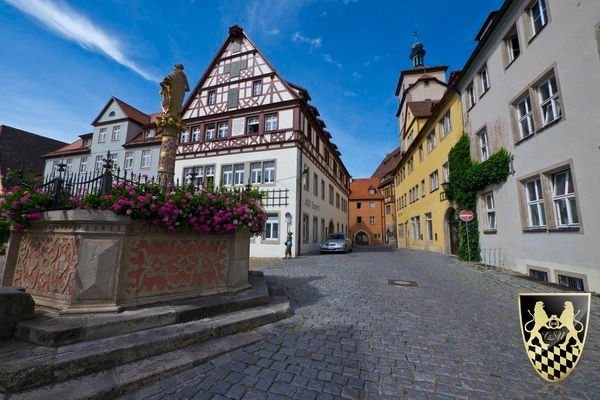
(371, 191)
(87, 142)
(112, 114)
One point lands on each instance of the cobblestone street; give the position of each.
(355, 336)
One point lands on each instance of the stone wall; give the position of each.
(80, 261)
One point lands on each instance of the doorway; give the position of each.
(452, 231)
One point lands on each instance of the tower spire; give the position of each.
(417, 52)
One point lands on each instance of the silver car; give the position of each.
(336, 243)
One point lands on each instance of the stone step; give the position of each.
(50, 329)
(26, 365)
(117, 381)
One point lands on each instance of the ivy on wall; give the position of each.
(468, 177)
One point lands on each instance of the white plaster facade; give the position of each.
(544, 217)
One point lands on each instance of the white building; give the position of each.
(532, 86)
(247, 125)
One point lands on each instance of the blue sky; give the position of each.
(63, 60)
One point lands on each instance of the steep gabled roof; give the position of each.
(422, 109)
(76, 147)
(131, 112)
(387, 167)
(359, 189)
(23, 150)
(421, 69)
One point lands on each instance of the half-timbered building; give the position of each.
(246, 125)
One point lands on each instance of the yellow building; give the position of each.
(426, 220)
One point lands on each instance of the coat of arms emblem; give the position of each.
(554, 327)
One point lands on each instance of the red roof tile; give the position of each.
(359, 189)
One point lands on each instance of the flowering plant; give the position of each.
(22, 204)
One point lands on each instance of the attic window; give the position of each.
(426, 83)
(371, 191)
(112, 114)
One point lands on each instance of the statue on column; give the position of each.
(173, 89)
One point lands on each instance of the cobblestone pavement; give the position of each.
(354, 336)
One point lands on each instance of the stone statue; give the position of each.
(173, 88)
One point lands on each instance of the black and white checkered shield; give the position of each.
(554, 327)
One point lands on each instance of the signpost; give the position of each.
(467, 216)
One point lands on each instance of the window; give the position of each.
(232, 98)
(235, 69)
(223, 130)
(238, 176)
(305, 228)
(196, 134)
(315, 230)
(226, 175)
(359, 205)
(322, 190)
(337, 201)
(98, 164)
(411, 165)
(421, 153)
(112, 114)
(563, 196)
(129, 160)
(269, 171)
(371, 205)
(256, 88)
(428, 226)
(271, 123)
(445, 125)
(490, 211)
(256, 173)
(537, 274)
(434, 181)
(87, 142)
(549, 100)
(83, 165)
(146, 158)
(359, 220)
(513, 49)
(372, 220)
(209, 174)
(471, 99)
(415, 223)
(388, 210)
(572, 282)
(525, 117)
(272, 227)
(114, 157)
(401, 230)
(209, 132)
(483, 145)
(446, 172)
(535, 204)
(116, 132)
(315, 185)
(185, 136)
(252, 125)
(69, 166)
(539, 16)
(422, 188)
(484, 80)
(331, 194)
(102, 135)
(150, 133)
(212, 97)
(431, 142)
(305, 177)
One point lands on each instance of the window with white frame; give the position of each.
(223, 130)
(114, 159)
(371, 205)
(185, 136)
(445, 125)
(272, 227)
(490, 211)
(256, 173)
(372, 220)
(83, 165)
(471, 98)
(238, 174)
(256, 88)
(484, 80)
(226, 175)
(306, 177)
(421, 153)
(434, 181)
(513, 48)
(388, 209)
(212, 97)
(102, 135)
(129, 160)
(269, 171)
(305, 228)
(209, 175)
(69, 166)
(196, 134)
(116, 132)
(549, 100)
(446, 172)
(146, 159)
(411, 165)
(98, 164)
(538, 15)
(209, 132)
(563, 196)
(535, 204)
(431, 141)
(423, 188)
(483, 145)
(150, 133)
(415, 224)
(428, 226)
(330, 194)
(252, 125)
(87, 142)
(525, 117)
(315, 185)
(271, 122)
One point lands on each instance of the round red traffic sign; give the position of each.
(466, 215)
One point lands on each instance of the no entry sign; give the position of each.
(466, 215)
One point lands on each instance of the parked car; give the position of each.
(336, 243)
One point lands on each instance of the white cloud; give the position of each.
(349, 93)
(330, 60)
(356, 75)
(273, 32)
(61, 19)
(314, 43)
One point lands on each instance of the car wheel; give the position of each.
(322, 252)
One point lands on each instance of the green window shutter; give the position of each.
(232, 98)
(235, 69)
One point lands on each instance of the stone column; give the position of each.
(168, 151)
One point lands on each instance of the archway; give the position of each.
(451, 230)
(361, 238)
(331, 230)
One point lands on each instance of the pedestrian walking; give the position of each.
(288, 246)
